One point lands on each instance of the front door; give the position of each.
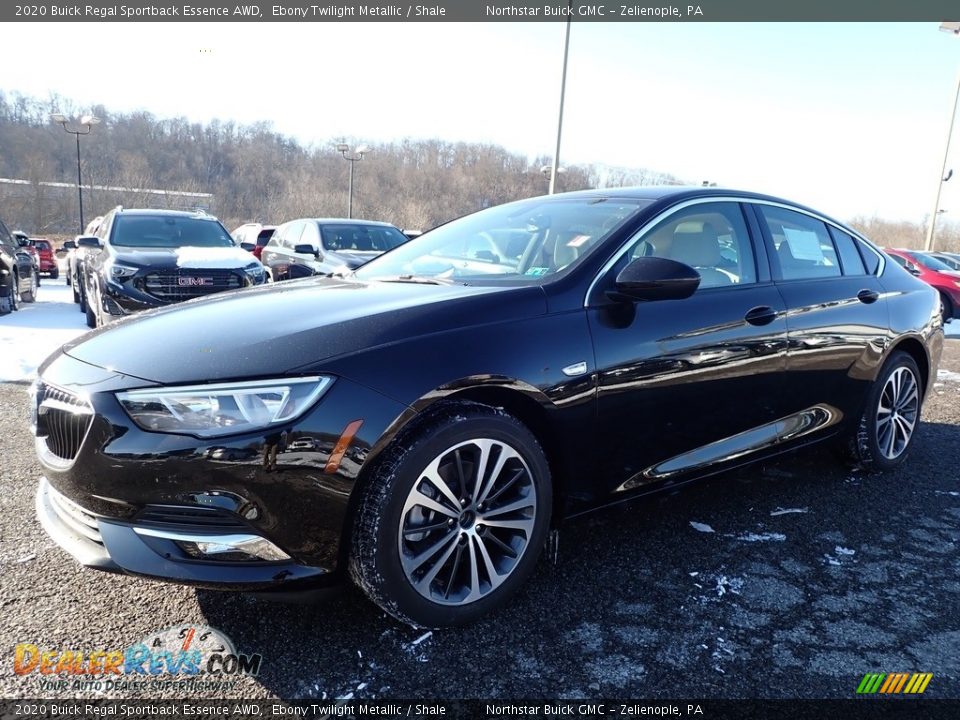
(686, 384)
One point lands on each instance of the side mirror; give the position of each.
(306, 250)
(913, 270)
(248, 246)
(69, 245)
(88, 241)
(655, 278)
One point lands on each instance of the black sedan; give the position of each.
(421, 424)
(317, 246)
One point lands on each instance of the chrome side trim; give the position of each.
(736, 446)
(725, 198)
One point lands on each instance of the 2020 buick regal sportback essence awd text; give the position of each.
(420, 424)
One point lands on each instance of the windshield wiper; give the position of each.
(419, 280)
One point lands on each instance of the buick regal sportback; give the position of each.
(420, 425)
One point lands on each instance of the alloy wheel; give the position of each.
(467, 521)
(897, 412)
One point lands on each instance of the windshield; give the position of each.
(168, 231)
(361, 238)
(521, 242)
(931, 263)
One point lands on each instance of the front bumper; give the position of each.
(106, 480)
(151, 549)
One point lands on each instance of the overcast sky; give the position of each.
(849, 118)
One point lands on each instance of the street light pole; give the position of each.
(951, 27)
(83, 127)
(357, 156)
(563, 91)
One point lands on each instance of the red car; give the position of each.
(48, 262)
(933, 272)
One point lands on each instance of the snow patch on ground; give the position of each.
(948, 376)
(787, 511)
(36, 330)
(701, 527)
(762, 537)
(840, 554)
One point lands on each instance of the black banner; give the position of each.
(480, 11)
(853, 709)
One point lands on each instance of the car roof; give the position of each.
(171, 213)
(346, 221)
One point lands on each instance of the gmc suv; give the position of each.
(144, 259)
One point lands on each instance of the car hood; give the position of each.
(275, 329)
(190, 258)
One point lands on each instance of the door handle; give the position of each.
(762, 315)
(868, 296)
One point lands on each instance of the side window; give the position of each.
(291, 235)
(871, 260)
(712, 238)
(804, 249)
(902, 262)
(849, 256)
(310, 236)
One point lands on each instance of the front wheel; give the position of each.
(883, 437)
(30, 294)
(454, 517)
(89, 303)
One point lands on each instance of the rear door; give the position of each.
(837, 314)
(687, 385)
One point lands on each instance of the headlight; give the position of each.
(223, 409)
(255, 271)
(120, 272)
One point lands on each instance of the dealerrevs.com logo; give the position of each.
(188, 657)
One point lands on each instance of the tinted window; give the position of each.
(930, 262)
(711, 238)
(168, 231)
(849, 256)
(902, 262)
(41, 244)
(870, 259)
(264, 237)
(361, 238)
(804, 249)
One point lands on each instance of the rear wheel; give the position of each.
(946, 306)
(454, 517)
(14, 290)
(55, 273)
(885, 432)
(90, 303)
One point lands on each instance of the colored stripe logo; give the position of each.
(894, 683)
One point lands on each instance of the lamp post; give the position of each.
(82, 127)
(563, 91)
(954, 28)
(357, 156)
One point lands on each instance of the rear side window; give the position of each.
(870, 259)
(804, 249)
(361, 238)
(264, 237)
(849, 255)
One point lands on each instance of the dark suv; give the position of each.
(16, 271)
(144, 259)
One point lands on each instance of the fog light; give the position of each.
(220, 547)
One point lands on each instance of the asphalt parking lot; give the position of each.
(792, 579)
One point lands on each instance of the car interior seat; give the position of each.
(700, 249)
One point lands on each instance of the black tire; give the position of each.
(863, 444)
(83, 296)
(946, 306)
(11, 281)
(76, 291)
(29, 296)
(375, 557)
(55, 273)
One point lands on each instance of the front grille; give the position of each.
(75, 517)
(213, 518)
(185, 284)
(62, 420)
